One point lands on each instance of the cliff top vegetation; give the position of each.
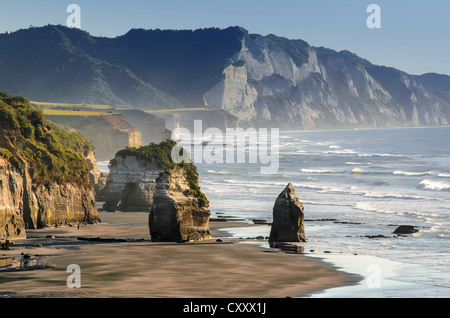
(49, 153)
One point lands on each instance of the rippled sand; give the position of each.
(137, 267)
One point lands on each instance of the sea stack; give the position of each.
(147, 179)
(287, 225)
(130, 183)
(179, 213)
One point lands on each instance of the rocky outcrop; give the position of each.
(130, 184)
(177, 215)
(95, 172)
(288, 217)
(100, 187)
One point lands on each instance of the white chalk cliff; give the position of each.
(292, 84)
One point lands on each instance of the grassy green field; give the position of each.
(64, 109)
(46, 105)
(63, 112)
(67, 109)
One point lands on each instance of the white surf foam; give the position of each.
(378, 155)
(434, 185)
(411, 173)
(317, 171)
(340, 152)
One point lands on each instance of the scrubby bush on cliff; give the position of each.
(161, 154)
(50, 153)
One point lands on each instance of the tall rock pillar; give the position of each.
(288, 217)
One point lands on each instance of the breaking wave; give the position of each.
(379, 155)
(434, 185)
(317, 171)
(410, 173)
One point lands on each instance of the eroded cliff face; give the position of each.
(59, 205)
(234, 93)
(11, 202)
(130, 184)
(24, 206)
(320, 88)
(176, 215)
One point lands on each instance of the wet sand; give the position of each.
(138, 268)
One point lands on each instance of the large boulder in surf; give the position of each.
(288, 218)
(405, 229)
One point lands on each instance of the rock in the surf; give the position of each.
(288, 218)
(405, 229)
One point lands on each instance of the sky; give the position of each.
(414, 34)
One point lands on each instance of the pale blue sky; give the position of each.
(414, 34)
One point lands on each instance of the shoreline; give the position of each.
(382, 278)
(127, 264)
(379, 277)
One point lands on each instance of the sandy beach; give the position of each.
(130, 265)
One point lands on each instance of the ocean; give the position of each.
(354, 184)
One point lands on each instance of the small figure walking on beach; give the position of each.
(78, 226)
